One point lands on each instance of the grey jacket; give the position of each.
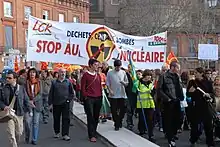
(46, 84)
(61, 92)
(22, 101)
(21, 81)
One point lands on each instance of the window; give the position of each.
(210, 41)
(175, 45)
(61, 17)
(8, 9)
(45, 14)
(76, 19)
(26, 36)
(115, 2)
(27, 12)
(192, 47)
(212, 3)
(6, 61)
(192, 43)
(94, 6)
(8, 38)
(33, 63)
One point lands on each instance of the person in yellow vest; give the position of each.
(145, 100)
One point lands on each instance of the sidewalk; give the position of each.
(122, 138)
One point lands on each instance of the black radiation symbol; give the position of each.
(100, 45)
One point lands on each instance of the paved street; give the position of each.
(162, 142)
(77, 132)
(79, 137)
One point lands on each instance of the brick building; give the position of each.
(184, 43)
(185, 47)
(14, 15)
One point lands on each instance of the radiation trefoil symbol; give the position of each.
(100, 44)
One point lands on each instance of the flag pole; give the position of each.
(142, 109)
(134, 79)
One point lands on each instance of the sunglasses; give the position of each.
(9, 78)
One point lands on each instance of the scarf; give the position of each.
(36, 84)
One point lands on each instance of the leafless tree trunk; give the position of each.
(147, 17)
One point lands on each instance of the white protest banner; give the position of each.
(208, 52)
(75, 43)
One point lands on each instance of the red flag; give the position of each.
(171, 57)
(44, 65)
(16, 67)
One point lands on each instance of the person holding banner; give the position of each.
(116, 82)
(202, 93)
(146, 102)
(92, 93)
(170, 91)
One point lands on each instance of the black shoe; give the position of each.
(142, 133)
(120, 125)
(176, 137)
(104, 120)
(193, 145)
(211, 145)
(152, 139)
(130, 127)
(109, 118)
(45, 122)
(34, 142)
(27, 140)
(116, 129)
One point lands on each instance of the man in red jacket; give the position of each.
(92, 93)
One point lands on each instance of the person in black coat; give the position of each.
(201, 112)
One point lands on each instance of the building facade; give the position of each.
(14, 20)
(105, 12)
(182, 41)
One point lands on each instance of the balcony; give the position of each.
(81, 3)
(5, 49)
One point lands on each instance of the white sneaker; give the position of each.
(56, 136)
(172, 144)
(66, 138)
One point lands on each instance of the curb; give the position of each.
(100, 137)
(106, 134)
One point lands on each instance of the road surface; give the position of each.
(78, 136)
(162, 142)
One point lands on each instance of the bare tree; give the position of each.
(147, 17)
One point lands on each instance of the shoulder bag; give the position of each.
(5, 116)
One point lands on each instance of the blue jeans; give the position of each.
(32, 125)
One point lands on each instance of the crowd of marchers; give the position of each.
(163, 98)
